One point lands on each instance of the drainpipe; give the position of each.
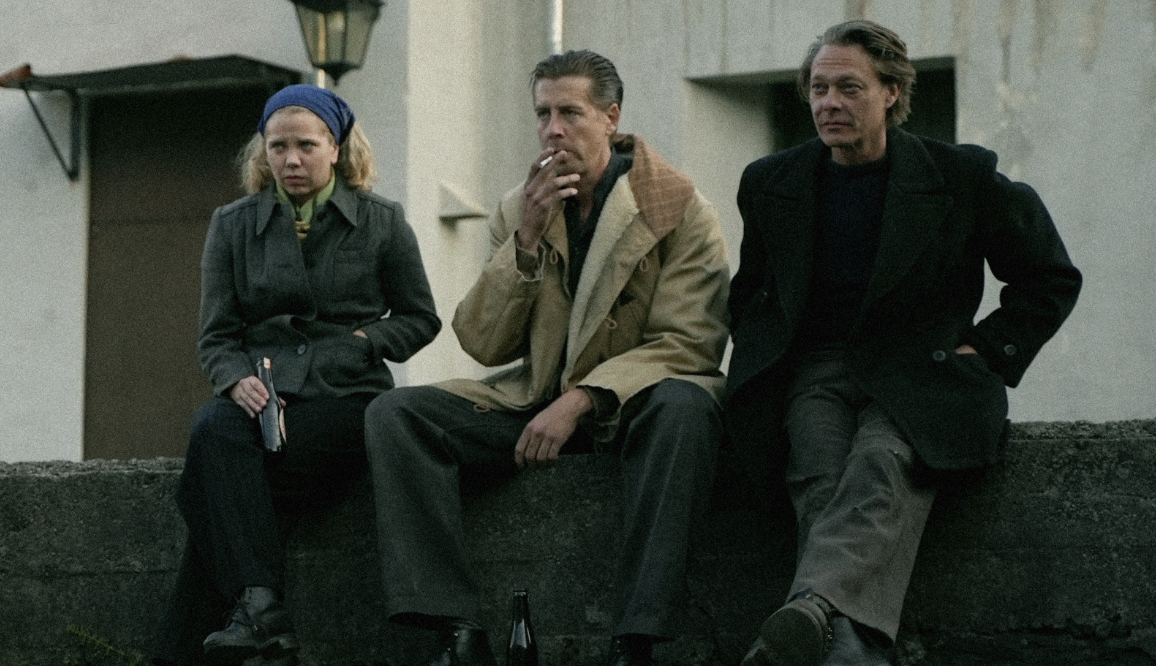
(555, 36)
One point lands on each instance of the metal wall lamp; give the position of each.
(336, 32)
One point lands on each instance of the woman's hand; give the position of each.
(250, 394)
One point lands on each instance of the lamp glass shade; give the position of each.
(337, 32)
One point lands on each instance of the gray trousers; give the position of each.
(850, 475)
(421, 440)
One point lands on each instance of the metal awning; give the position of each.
(231, 71)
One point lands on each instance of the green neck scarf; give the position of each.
(303, 214)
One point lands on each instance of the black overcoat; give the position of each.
(947, 210)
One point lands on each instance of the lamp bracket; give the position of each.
(326, 6)
(72, 165)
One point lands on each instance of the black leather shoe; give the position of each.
(798, 634)
(629, 650)
(463, 646)
(260, 625)
(855, 645)
(283, 659)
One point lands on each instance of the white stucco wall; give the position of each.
(43, 243)
(44, 228)
(1064, 91)
(436, 97)
(470, 126)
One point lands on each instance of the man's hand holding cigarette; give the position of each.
(544, 189)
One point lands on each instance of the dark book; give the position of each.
(272, 418)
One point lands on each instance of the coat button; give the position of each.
(939, 355)
(1010, 350)
(301, 350)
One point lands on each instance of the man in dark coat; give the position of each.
(852, 312)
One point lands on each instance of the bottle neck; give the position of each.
(521, 606)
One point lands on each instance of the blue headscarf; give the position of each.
(328, 107)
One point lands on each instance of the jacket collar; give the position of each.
(796, 180)
(915, 208)
(644, 206)
(789, 192)
(661, 192)
(912, 169)
(344, 199)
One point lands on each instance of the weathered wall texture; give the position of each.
(1049, 560)
(469, 129)
(44, 229)
(1065, 91)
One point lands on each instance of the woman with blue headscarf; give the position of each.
(324, 279)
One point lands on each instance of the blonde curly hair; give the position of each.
(354, 159)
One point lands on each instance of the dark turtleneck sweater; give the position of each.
(849, 215)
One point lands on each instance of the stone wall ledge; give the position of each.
(1048, 559)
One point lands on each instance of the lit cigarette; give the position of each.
(543, 163)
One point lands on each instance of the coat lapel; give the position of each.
(555, 237)
(912, 214)
(645, 205)
(788, 211)
(344, 200)
(617, 247)
(283, 255)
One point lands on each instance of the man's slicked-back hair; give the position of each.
(887, 51)
(605, 86)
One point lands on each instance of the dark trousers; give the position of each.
(239, 501)
(420, 441)
(860, 510)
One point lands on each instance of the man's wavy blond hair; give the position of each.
(354, 159)
(888, 53)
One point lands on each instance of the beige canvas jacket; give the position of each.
(650, 305)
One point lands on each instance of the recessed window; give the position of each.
(932, 107)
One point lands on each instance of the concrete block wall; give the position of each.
(1048, 559)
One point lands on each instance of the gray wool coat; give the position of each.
(265, 293)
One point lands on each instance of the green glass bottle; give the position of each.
(522, 649)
